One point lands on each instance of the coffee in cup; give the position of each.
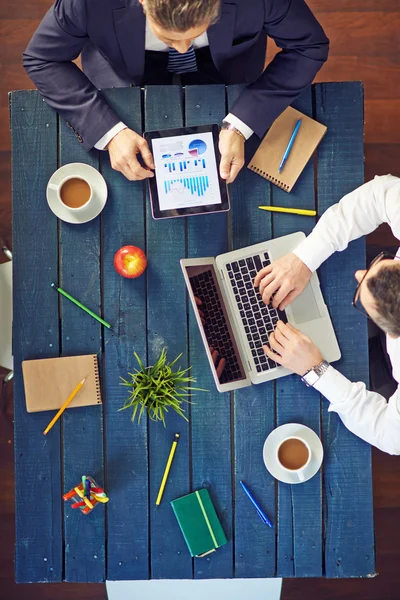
(294, 455)
(73, 192)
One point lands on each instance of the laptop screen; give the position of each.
(209, 304)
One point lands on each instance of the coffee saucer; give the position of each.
(96, 204)
(277, 436)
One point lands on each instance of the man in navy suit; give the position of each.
(139, 42)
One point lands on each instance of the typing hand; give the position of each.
(123, 150)
(283, 280)
(231, 147)
(220, 366)
(292, 349)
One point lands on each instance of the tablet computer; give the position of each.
(187, 180)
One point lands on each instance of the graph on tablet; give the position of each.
(186, 171)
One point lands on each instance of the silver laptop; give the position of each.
(237, 322)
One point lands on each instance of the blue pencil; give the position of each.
(260, 511)
(290, 144)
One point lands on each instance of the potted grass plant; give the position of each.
(158, 389)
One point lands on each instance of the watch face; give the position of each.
(311, 378)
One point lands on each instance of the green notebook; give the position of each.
(199, 523)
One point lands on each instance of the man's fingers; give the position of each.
(221, 367)
(146, 154)
(225, 166)
(280, 295)
(269, 290)
(265, 282)
(272, 355)
(139, 171)
(275, 345)
(280, 337)
(261, 274)
(284, 330)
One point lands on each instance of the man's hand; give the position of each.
(231, 147)
(123, 150)
(286, 278)
(292, 349)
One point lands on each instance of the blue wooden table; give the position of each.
(321, 528)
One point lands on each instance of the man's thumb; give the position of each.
(225, 167)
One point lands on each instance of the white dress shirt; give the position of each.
(153, 43)
(365, 413)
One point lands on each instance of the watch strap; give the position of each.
(230, 127)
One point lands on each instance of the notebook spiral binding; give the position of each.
(273, 180)
(97, 378)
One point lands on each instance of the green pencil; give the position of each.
(75, 301)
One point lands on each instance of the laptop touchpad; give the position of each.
(304, 307)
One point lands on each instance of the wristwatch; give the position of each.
(230, 127)
(311, 377)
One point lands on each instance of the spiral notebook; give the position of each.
(267, 159)
(49, 381)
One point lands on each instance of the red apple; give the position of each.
(130, 261)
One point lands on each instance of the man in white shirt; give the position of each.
(141, 42)
(365, 413)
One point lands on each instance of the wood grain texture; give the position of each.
(254, 407)
(124, 302)
(38, 550)
(82, 430)
(211, 411)
(299, 537)
(166, 327)
(349, 540)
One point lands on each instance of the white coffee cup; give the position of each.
(299, 472)
(58, 187)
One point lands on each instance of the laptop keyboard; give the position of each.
(258, 320)
(216, 327)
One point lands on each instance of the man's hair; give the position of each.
(385, 288)
(182, 15)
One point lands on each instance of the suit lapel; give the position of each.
(130, 27)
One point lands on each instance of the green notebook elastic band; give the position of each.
(214, 539)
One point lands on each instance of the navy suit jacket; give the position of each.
(116, 30)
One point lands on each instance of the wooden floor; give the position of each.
(365, 45)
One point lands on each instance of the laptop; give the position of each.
(237, 322)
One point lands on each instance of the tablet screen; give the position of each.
(186, 171)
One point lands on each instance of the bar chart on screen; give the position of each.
(186, 171)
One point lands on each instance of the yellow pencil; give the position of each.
(167, 468)
(64, 406)
(292, 211)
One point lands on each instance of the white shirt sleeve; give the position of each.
(243, 128)
(107, 137)
(357, 214)
(367, 414)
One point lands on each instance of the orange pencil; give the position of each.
(64, 406)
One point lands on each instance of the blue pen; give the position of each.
(260, 512)
(290, 144)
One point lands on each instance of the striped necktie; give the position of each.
(182, 63)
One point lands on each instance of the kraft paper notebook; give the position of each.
(267, 159)
(199, 523)
(49, 381)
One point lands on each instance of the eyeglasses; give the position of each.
(356, 299)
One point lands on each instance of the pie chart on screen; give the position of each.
(197, 147)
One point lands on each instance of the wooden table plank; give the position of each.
(82, 429)
(38, 548)
(299, 536)
(349, 532)
(254, 411)
(211, 411)
(125, 307)
(166, 327)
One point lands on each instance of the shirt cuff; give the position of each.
(107, 137)
(243, 128)
(333, 385)
(313, 251)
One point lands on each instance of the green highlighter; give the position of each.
(199, 523)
